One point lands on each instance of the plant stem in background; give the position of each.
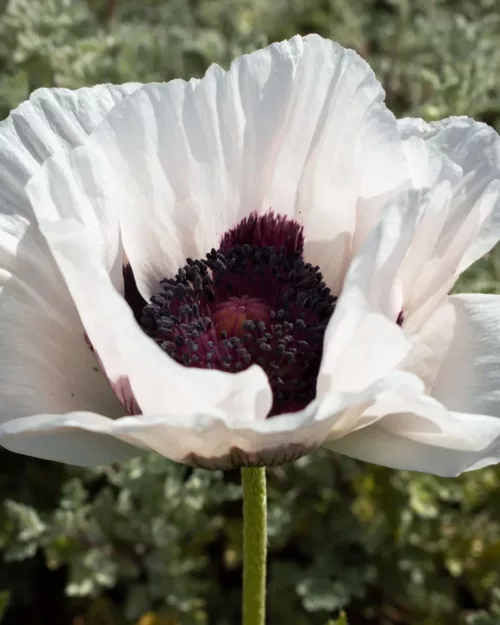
(254, 545)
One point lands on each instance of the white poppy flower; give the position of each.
(240, 269)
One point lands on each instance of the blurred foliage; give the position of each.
(154, 543)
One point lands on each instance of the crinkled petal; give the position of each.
(467, 153)
(363, 342)
(473, 443)
(469, 377)
(201, 438)
(407, 429)
(394, 278)
(78, 438)
(397, 276)
(408, 264)
(448, 425)
(46, 366)
(45, 363)
(430, 344)
(299, 126)
(51, 122)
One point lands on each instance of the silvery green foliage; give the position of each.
(154, 538)
(167, 539)
(435, 57)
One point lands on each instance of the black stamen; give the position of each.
(254, 300)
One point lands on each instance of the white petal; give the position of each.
(199, 438)
(339, 155)
(380, 445)
(469, 377)
(446, 234)
(76, 438)
(394, 273)
(409, 263)
(406, 429)
(52, 121)
(467, 152)
(299, 127)
(360, 350)
(362, 342)
(68, 187)
(430, 344)
(45, 362)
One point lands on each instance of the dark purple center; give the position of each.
(252, 301)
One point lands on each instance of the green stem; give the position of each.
(254, 545)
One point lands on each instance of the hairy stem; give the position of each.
(254, 545)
